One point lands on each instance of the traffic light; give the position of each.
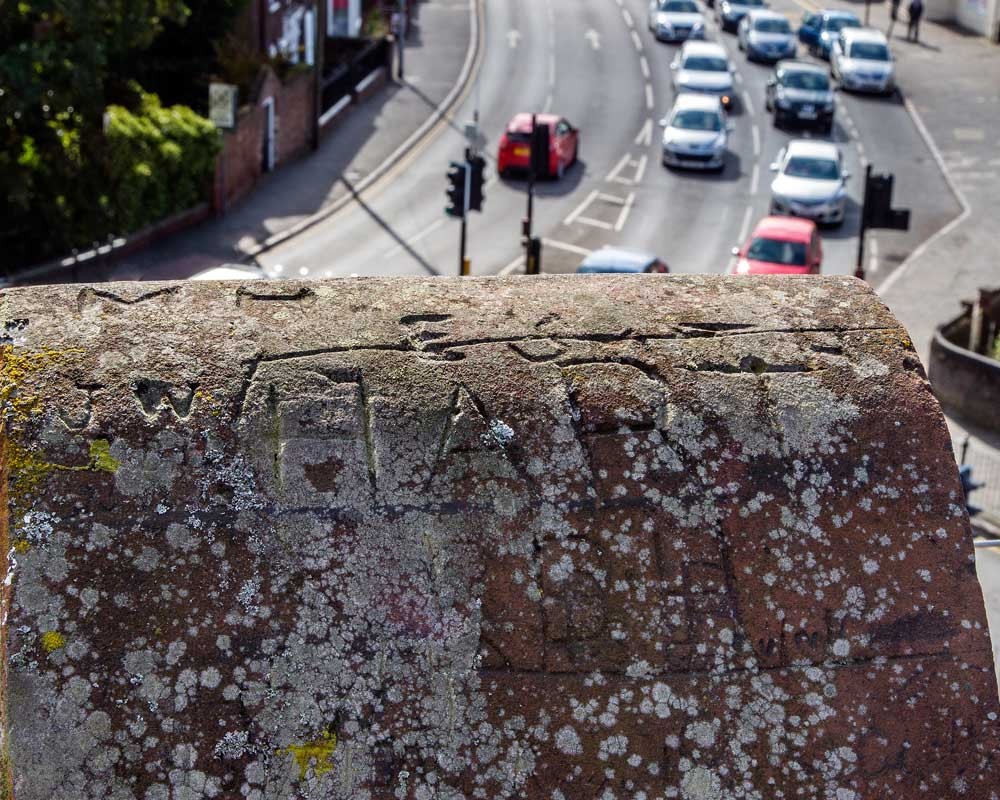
(878, 210)
(456, 190)
(477, 182)
(969, 485)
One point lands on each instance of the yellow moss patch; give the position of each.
(52, 641)
(15, 367)
(22, 546)
(319, 751)
(100, 456)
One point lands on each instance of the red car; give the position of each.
(780, 246)
(515, 144)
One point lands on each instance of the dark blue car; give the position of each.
(820, 28)
(619, 260)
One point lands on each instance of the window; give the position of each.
(870, 51)
(679, 6)
(769, 25)
(809, 81)
(817, 169)
(706, 64)
(776, 251)
(693, 119)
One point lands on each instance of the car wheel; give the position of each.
(828, 128)
(767, 104)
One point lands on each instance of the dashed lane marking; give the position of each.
(613, 175)
(755, 133)
(627, 17)
(645, 67)
(649, 97)
(748, 102)
(645, 136)
(640, 171)
(745, 227)
(637, 41)
(755, 179)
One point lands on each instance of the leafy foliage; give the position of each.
(65, 181)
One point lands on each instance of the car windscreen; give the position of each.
(693, 119)
(819, 169)
(775, 251)
(751, 3)
(772, 26)
(679, 6)
(837, 24)
(706, 64)
(807, 80)
(870, 51)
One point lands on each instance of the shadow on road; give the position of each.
(551, 187)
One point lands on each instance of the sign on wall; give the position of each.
(222, 100)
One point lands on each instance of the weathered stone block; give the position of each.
(614, 538)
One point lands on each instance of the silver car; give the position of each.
(704, 67)
(676, 20)
(766, 36)
(811, 182)
(696, 133)
(860, 60)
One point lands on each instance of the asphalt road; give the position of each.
(595, 63)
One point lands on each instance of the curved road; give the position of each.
(595, 63)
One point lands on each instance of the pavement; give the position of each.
(374, 134)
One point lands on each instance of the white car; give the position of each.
(811, 182)
(676, 20)
(860, 61)
(766, 36)
(705, 68)
(696, 133)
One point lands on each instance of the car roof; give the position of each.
(521, 123)
(229, 272)
(616, 259)
(704, 49)
(800, 66)
(837, 13)
(789, 229)
(864, 35)
(812, 147)
(704, 102)
(766, 13)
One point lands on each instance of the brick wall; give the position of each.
(240, 164)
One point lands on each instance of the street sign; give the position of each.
(222, 101)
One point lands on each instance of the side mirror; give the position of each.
(775, 166)
(772, 82)
(664, 122)
(845, 174)
(735, 251)
(730, 127)
(674, 65)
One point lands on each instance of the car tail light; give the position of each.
(658, 267)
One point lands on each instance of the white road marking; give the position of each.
(569, 248)
(581, 208)
(594, 38)
(613, 175)
(623, 216)
(748, 102)
(627, 17)
(755, 132)
(397, 249)
(513, 38)
(745, 227)
(595, 223)
(645, 136)
(649, 97)
(739, 78)
(513, 266)
(645, 67)
(552, 69)
(548, 103)
(755, 179)
(637, 41)
(873, 249)
(640, 171)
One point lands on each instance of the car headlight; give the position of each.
(698, 26)
(840, 194)
(781, 101)
(720, 142)
(828, 106)
(663, 21)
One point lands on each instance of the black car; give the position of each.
(800, 92)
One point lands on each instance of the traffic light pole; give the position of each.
(527, 224)
(463, 262)
(859, 267)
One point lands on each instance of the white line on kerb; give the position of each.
(748, 102)
(580, 208)
(649, 97)
(627, 17)
(745, 227)
(755, 132)
(624, 213)
(645, 67)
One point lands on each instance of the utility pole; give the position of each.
(320, 49)
(401, 34)
(859, 267)
(538, 162)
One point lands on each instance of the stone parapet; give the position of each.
(620, 537)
